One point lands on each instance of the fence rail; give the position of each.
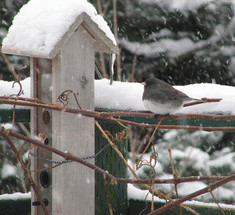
(192, 122)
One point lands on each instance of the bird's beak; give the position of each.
(143, 83)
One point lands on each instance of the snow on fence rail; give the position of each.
(124, 96)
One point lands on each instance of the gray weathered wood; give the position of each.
(73, 69)
(41, 73)
(68, 66)
(102, 42)
(24, 52)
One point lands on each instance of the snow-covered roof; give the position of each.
(42, 25)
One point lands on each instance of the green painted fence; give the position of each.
(109, 160)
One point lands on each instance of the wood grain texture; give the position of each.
(73, 69)
(41, 74)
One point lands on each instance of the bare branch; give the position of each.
(193, 195)
(9, 65)
(110, 115)
(116, 38)
(69, 156)
(35, 188)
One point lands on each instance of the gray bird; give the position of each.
(161, 98)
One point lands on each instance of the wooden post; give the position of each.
(73, 69)
(70, 187)
(68, 65)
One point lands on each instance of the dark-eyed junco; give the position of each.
(161, 98)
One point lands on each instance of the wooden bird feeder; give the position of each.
(70, 188)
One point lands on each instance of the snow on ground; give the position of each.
(196, 203)
(15, 196)
(187, 4)
(183, 5)
(128, 96)
(226, 159)
(40, 24)
(137, 194)
(8, 170)
(196, 160)
(7, 126)
(173, 48)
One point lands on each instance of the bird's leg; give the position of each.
(157, 116)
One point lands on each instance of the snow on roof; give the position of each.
(40, 24)
(128, 96)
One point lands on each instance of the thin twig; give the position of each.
(144, 114)
(204, 100)
(175, 176)
(103, 67)
(157, 192)
(150, 141)
(115, 148)
(108, 115)
(99, 7)
(118, 180)
(217, 203)
(107, 195)
(22, 126)
(140, 147)
(131, 78)
(9, 65)
(152, 202)
(193, 195)
(64, 98)
(146, 204)
(106, 7)
(35, 188)
(101, 171)
(116, 38)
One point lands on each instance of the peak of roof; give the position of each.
(42, 26)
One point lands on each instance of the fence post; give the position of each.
(70, 188)
(73, 69)
(110, 161)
